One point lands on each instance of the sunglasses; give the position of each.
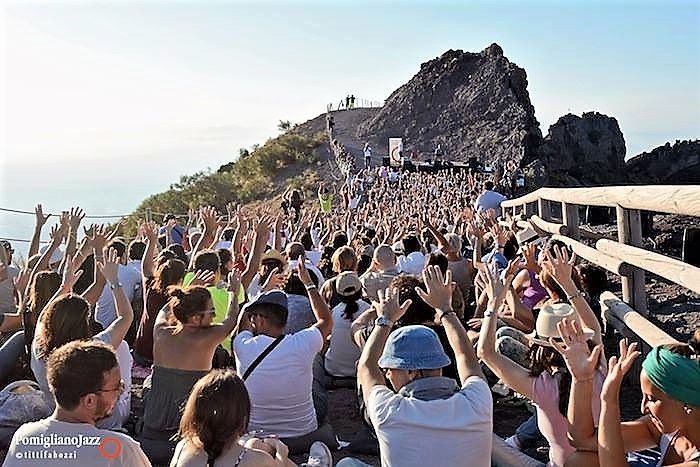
(121, 388)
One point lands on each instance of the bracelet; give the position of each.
(310, 286)
(445, 313)
(578, 294)
(489, 313)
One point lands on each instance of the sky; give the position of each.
(120, 98)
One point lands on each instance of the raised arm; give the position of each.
(148, 268)
(611, 445)
(560, 266)
(221, 331)
(58, 233)
(324, 318)
(125, 315)
(96, 241)
(75, 217)
(369, 374)
(439, 296)
(262, 233)
(40, 221)
(512, 374)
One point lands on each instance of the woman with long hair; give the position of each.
(67, 317)
(158, 274)
(215, 418)
(546, 382)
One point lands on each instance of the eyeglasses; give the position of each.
(211, 312)
(121, 388)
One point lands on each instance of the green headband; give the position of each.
(674, 374)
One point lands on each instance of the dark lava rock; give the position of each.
(473, 104)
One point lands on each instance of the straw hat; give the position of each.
(548, 318)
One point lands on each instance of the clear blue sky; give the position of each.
(160, 89)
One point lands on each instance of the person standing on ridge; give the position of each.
(368, 155)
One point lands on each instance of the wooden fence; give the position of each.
(625, 256)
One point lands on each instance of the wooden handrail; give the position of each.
(676, 271)
(611, 263)
(549, 227)
(614, 308)
(672, 199)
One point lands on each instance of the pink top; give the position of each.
(551, 422)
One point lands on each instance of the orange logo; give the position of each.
(110, 448)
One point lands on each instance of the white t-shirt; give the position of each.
(7, 291)
(343, 353)
(489, 200)
(280, 386)
(105, 311)
(454, 431)
(56, 443)
(412, 264)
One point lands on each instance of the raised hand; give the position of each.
(276, 280)
(149, 230)
(97, 238)
(495, 289)
(58, 233)
(559, 265)
(303, 273)
(117, 229)
(202, 278)
(530, 255)
(71, 273)
(75, 217)
(210, 219)
(388, 304)
(439, 288)
(234, 281)
(617, 369)
(40, 217)
(574, 348)
(109, 266)
(21, 281)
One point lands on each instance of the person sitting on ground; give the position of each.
(214, 423)
(380, 274)
(342, 355)
(489, 199)
(172, 229)
(544, 383)
(300, 315)
(284, 409)
(344, 259)
(453, 422)
(67, 318)
(413, 260)
(158, 275)
(669, 382)
(296, 250)
(130, 280)
(184, 341)
(85, 380)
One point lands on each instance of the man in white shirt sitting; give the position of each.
(381, 273)
(85, 380)
(280, 385)
(489, 199)
(452, 423)
(413, 260)
(130, 280)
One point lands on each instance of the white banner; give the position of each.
(395, 150)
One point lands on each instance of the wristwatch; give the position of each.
(115, 285)
(382, 321)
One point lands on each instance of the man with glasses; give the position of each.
(84, 378)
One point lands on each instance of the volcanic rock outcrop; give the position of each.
(472, 104)
(672, 164)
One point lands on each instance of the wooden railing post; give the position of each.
(543, 209)
(629, 231)
(570, 214)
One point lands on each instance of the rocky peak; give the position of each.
(473, 104)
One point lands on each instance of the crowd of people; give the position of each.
(403, 286)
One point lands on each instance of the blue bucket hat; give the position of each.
(413, 348)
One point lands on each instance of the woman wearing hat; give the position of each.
(341, 358)
(546, 383)
(670, 384)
